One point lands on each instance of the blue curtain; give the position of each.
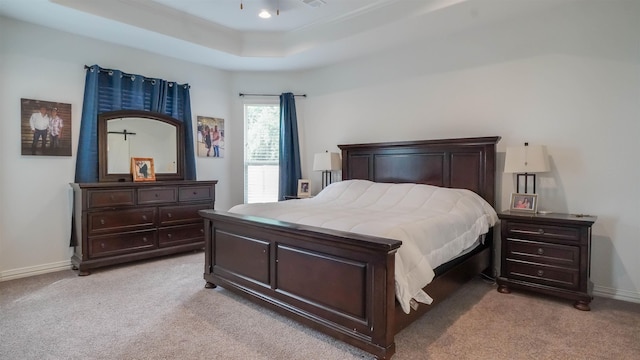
(109, 90)
(290, 170)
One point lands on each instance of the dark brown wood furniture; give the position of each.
(343, 283)
(548, 253)
(125, 221)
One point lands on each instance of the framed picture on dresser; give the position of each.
(524, 202)
(143, 169)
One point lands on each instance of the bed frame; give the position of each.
(338, 282)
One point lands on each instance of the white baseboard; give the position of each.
(34, 270)
(617, 294)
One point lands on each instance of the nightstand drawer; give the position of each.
(541, 274)
(543, 253)
(529, 230)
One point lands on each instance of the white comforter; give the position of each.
(434, 224)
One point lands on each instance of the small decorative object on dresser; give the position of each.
(548, 253)
(143, 169)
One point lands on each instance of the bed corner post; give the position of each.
(208, 254)
(384, 319)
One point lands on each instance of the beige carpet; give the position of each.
(160, 310)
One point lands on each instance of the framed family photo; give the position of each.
(210, 137)
(143, 169)
(304, 188)
(524, 202)
(45, 128)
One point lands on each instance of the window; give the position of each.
(261, 152)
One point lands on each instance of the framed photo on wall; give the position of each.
(524, 202)
(45, 128)
(143, 169)
(210, 137)
(304, 188)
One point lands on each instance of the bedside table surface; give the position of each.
(550, 217)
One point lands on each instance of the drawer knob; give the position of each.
(195, 193)
(169, 215)
(101, 221)
(540, 231)
(112, 197)
(144, 239)
(201, 231)
(540, 272)
(144, 217)
(540, 251)
(156, 194)
(102, 245)
(169, 236)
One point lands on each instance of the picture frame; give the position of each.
(210, 137)
(524, 202)
(304, 188)
(143, 169)
(46, 128)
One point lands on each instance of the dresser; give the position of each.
(549, 254)
(120, 222)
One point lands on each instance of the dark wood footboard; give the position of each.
(339, 283)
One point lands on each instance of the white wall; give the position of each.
(35, 197)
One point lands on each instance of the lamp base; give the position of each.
(526, 177)
(327, 178)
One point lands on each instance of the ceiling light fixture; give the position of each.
(264, 14)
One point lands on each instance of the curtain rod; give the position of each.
(132, 76)
(243, 94)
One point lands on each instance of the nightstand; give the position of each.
(547, 253)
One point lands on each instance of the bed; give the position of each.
(343, 283)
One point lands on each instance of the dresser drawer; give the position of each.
(118, 244)
(543, 274)
(193, 193)
(543, 253)
(108, 198)
(157, 195)
(172, 215)
(551, 232)
(183, 234)
(120, 220)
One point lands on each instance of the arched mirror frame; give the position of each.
(105, 176)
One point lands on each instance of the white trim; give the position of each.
(617, 294)
(34, 270)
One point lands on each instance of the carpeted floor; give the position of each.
(161, 310)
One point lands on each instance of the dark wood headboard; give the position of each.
(467, 163)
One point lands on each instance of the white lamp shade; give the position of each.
(526, 159)
(326, 161)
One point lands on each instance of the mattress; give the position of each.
(435, 224)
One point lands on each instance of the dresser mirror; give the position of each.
(126, 134)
